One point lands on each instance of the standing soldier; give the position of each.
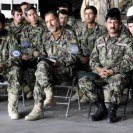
(101, 6)
(10, 67)
(111, 59)
(61, 46)
(90, 33)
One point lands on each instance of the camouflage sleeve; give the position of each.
(31, 40)
(11, 52)
(126, 64)
(73, 52)
(94, 59)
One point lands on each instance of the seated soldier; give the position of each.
(71, 21)
(64, 18)
(10, 67)
(91, 30)
(111, 60)
(30, 34)
(57, 64)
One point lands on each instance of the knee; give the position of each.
(42, 65)
(14, 70)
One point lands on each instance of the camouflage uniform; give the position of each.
(115, 54)
(72, 22)
(124, 30)
(16, 30)
(63, 50)
(31, 36)
(11, 69)
(77, 31)
(31, 39)
(87, 40)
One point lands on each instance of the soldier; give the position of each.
(62, 47)
(101, 6)
(63, 19)
(31, 35)
(10, 67)
(111, 60)
(17, 25)
(130, 24)
(71, 21)
(23, 7)
(90, 33)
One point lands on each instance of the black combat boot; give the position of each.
(111, 118)
(101, 113)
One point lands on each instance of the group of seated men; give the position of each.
(53, 47)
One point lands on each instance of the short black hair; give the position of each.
(16, 9)
(2, 18)
(130, 19)
(64, 12)
(113, 13)
(51, 12)
(30, 8)
(24, 3)
(93, 8)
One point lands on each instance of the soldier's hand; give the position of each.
(84, 60)
(1, 68)
(109, 72)
(36, 54)
(26, 57)
(102, 72)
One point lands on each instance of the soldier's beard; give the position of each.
(54, 28)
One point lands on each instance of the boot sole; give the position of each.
(27, 119)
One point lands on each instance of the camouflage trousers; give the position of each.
(46, 75)
(114, 86)
(15, 80)
(15, 76)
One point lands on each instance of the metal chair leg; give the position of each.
(23, 97)
(90, 109)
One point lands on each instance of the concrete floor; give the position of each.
(56, 122)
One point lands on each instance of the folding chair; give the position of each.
(70, 86)
(4, 86)
(125, 98)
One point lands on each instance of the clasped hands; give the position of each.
(104, 72)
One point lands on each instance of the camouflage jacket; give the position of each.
(16, 30)
(65, 49)
(8, 44)
(88, 39)
(77, 31)
(124, 30)
(72, 22)
(31, 38)
(113, 53)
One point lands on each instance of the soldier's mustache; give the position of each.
(112, 28)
